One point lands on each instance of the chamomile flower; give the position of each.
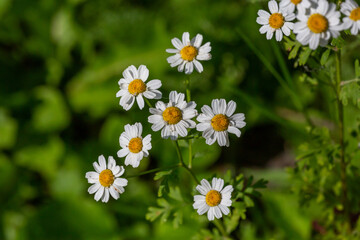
(106, 180)
(216, 122)
(290, 5)
(133, 86)
(352, 20)
(318, 25)
(188, 53)
(215, 199)
(134, 147)
(173, 118)
(277, 22)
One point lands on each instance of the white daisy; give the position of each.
(316, 27)
(352, 20)
(173, 118)
(278, 21)
(133, 86)
(215, 200)
(106, 180)
(217, 121)
(290, 5)
(134, 147)
(187, 53)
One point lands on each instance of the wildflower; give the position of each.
(214, 199)
(106, 180)
(352, 20)
(290, 5)
(278, 21)
(316, 27)
(217, 121)
(133, 86)
(173, 118)
(187, 53)
(134, 147)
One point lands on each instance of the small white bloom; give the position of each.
(106, 180)
(133, 86)
(278, 21)
(173, 118)
(352, 20)
(134, 147)
(290, 5)
(214, 199)
(217, 121)
(187, 53)
(316, 27)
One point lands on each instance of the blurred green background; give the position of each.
(60, 62)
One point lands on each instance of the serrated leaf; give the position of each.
(175, 194)
(350, 92)
(248, 201)
(304, 56)
(162, 174)
(325, 57)
(294, 51)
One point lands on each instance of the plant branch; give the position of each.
(182, 162)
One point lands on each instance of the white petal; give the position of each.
(177, 43)
(93, 188)
(143, 72)
(99, 193)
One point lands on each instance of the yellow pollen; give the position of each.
(106, 178)
(213, 198)
(172, 115)
(188, 53)
(220, 122)
(296, 2)
(137, 86)
(317, 23)
(276, 20)
(135, 145)
(355, 14)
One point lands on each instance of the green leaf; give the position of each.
(357, 68)
(304, 56)
(294, 51)
(8, 130)
(350, 92)
(325, 57)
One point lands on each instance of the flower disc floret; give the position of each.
(106, 178)
(296, 2)
(188, 53)
(355, 14)
(137, 86)
(317, 23)
(276, 20)
(135, 145)
(220, 122)
(213, 198)
(172, 115)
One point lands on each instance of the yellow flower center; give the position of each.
(135, 145)
(276, 20)
(106, 178)
(213, 198)
(172, 115)
(220, 122)
(136, 86)
(188, 53)
(317, 23)
(355, 14)
(296, 2)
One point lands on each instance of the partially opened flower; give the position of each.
(133, 86)
(290, 5)
(189, 53)
(106, 180)
(134, 147)
(352, 20)
(215, 199)
(277, 22)
(216, 122)
(174, 118)
(316, 27)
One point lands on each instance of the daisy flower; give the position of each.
(290, 5)
(316, 27)
(187, 53)
(352, 20)
(106, 180)
(278, 21)
(217, 121)
(134, 147)
(133, 86)
(214, 199)
(173, 118)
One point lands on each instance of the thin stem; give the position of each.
(349, 81)
(195, 136)
(182, 162)
(154, 170)
(148, 103)
(188, 99)
(341, 134)
(221, 228)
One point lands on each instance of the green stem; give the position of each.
(190, 137)
(154, 170)
(341, 134)
(148, 103)
(221, 228)
(188, 99)
(182, 164)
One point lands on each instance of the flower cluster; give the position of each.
(317, 20)
(174, 118)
